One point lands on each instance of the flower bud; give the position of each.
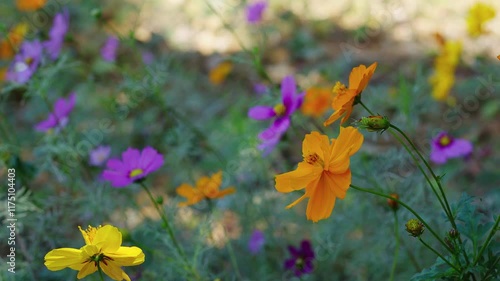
(392, 203)
(453, 233)
(415, 227)
(374, 123)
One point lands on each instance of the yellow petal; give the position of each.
(298, 179)
(321, 201)
(108, 238)
(87, 269)
(61, 258)
(186, 190)
(113, 270)
(127, 256)
(350, 139)
(338, 183)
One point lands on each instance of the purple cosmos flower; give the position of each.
(108, 51)
(291, 101)
(301, 260)
(133, 166)
(445, 146)
(56, 35)
(25, 62)
(59, 117)
(256, 241)
(99, 155)
(255, 11)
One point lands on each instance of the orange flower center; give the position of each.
(313, 159)
(444, 141)
(339, 88)
(279, 109)
(135, 172)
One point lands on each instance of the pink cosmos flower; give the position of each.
(59, 118)
(134, 165)
(99, 155)
(445, 146)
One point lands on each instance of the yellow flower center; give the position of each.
(444, 140)
(339, 88)
(90, 232)
(313, 159)
(135, 172)
(279, 109)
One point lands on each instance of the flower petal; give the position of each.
(298, 179)
(87, 269)
(131, 158)
(150, 160)
(316, 143)
(321, 201)
(127, 256)
(350, 139)
(114, 271)
(339, 183)
(61, 258)
(47, 124)
(108, 238)
(288, 91)
(459, 147)
(261, 112)
(63, 107)
(334, 117)
(359, 77)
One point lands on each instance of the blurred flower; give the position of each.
(316, 101)
(255, 11)
(134, 166)
(256, 242)
(30, 5)
(147, 57)
(444, 70)
(302, 259)
(16, 35)
(445, 146)
(343, 101)
(102, 250)
(59, 117)
(291, 101)
(393, 204)
(206, 188)
(99, 155)
(260, 88)
(25, 62)
(478, 15)
(3, 73)
(498, 57)
(219, 73)
(108, 51)
(56, 34)
(324, 173)
(415, 227)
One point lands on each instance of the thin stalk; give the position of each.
(438, 254)
(396, 250)
(100, 272)
(170, 232)
(492, 232)
(491, 269)
(232, 256)
(409, 209)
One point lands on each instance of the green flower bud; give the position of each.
(453, 233)
(374, 123)
(96, 13)
(415, 227)
(159, 200)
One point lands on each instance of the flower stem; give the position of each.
(396, 250)
(438, 254)
(100, 272)
(409, 209)
(492, 232)
(170, 232)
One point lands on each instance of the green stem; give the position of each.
(232, 256)
(409, 209)
(100, 272)
(396, 250)
(438, 254)
(492, 232)
(170, 232)
(491, 269)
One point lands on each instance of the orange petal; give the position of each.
(336, 115)
(348, 111)
(227, 191)
(315, 143)
(359, 77)
(321, 201)
(297, 201)
(298, 179)
(338, 183)
(349, 139)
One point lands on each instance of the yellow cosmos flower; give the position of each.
(343, 101)
(324, 173)
(30, 5)
(445, 64)
(316, 101)
(478, 15)
(206, 188)
(102, 250)
(219, 73)
(15, 37)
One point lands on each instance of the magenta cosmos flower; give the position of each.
(281, 113)
(445, 146)
(302, 259)
(25, 63)
(256, 242)
(255, 11)
(99, 155)
(133, 166)
(108, 51)
(57, 33)
(59, 117)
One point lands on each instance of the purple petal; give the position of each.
(63, 107)
(99, 155)
(256, 241)
(288, 91)
(117, 179)
(261, 112)
(108, 50)
(282, 124)
(437, 155)
(267, 146)
(255, 11)
(131, 158)
(298, 100)
(308, 266)
(47, 124)
(290, 263)
(150, 160)
(459, 147)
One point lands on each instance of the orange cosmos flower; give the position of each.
(219, 73)
(324, 173)
(9, 45)
(344, 97)
(316, 101)
(206, 188)
(30, 5)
